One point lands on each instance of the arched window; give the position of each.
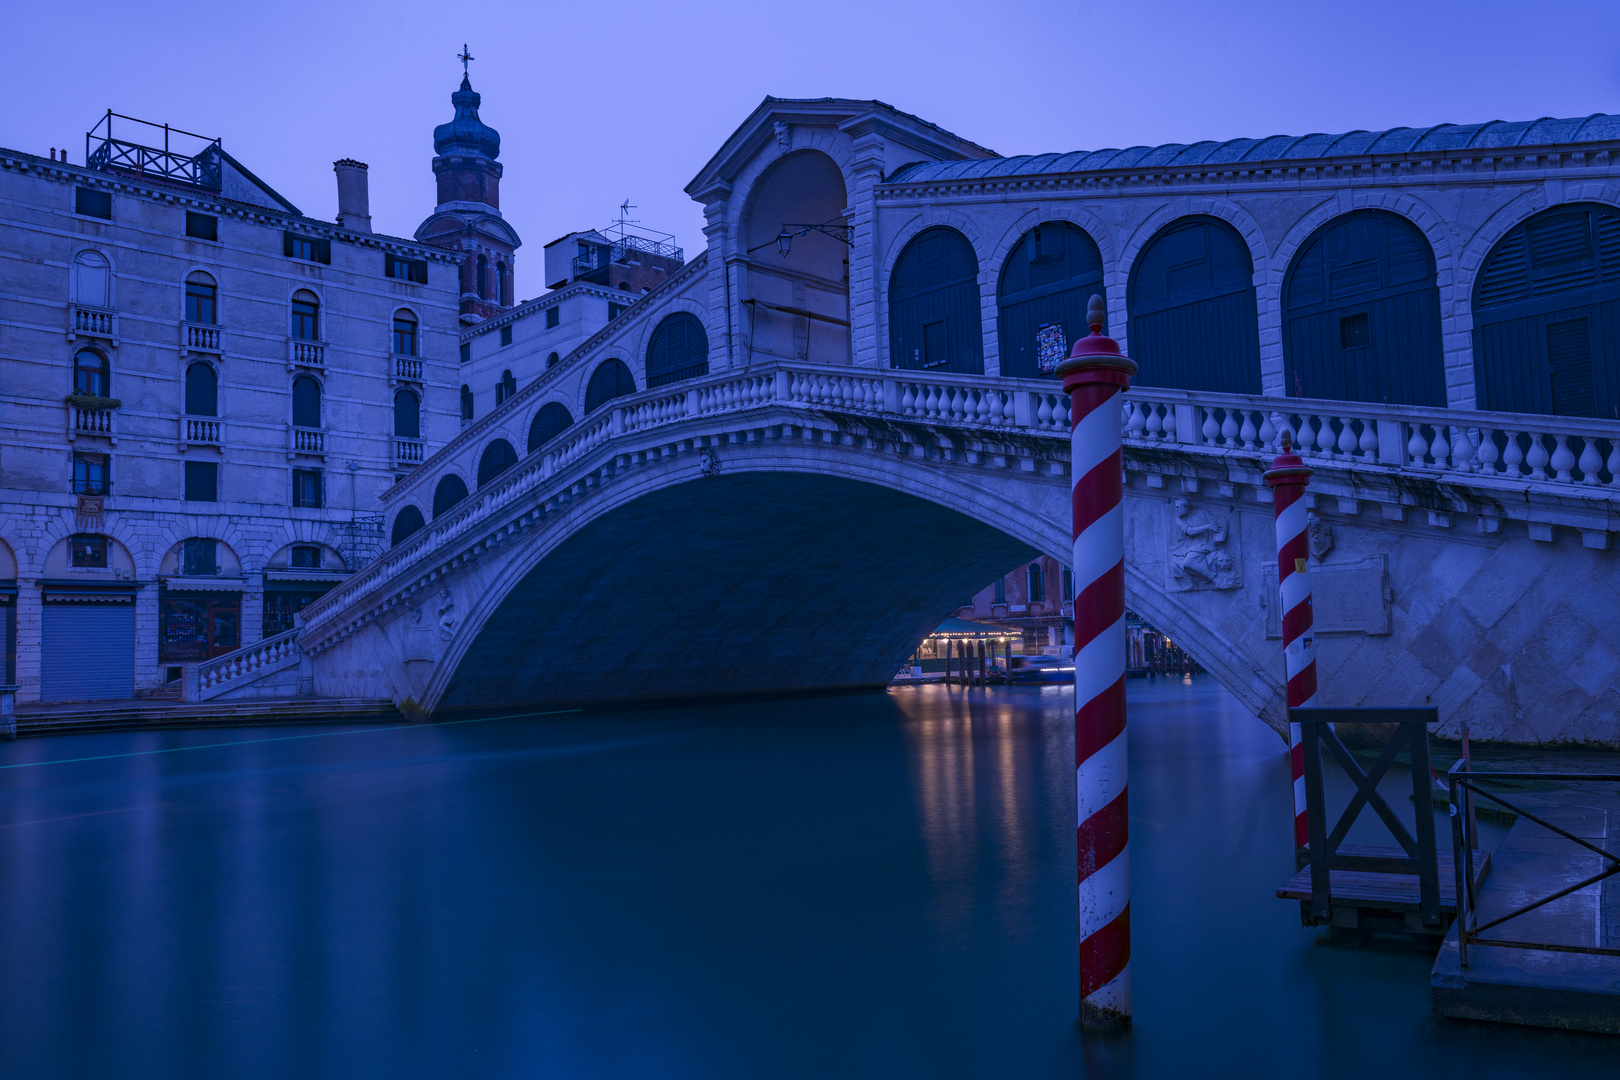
(1037, 583)
(202, 391)
(934, 320)
(306, 316)
(404, 333)
(611, 379)
(92, 374)
(506, 387)
(498, 457)
(306, 402)
(407, 415)
(407, 521)
(202, 299)
(1545, 302)
(466, 402)
(679, 350)
(451, 490)
(483, 278)
(552, 420)
(1361, 314)
(552, 360)
(1048, 280)
(503, 280)
(92, 280)
(1193, 321)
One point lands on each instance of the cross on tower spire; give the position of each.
(465, 57)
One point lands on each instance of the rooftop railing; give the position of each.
(102, 150)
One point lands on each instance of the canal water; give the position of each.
(867, 886)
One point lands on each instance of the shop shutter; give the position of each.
(87, 651)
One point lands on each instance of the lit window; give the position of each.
(91, 474)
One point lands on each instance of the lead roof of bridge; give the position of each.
(1496, 134)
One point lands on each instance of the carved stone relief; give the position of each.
(1203, 548)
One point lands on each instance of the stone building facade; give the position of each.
(205, 392)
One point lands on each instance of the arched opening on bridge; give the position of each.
(551, 421)
(611, 379)
(1193, 320)
(1547, 316)
(679, 349)
(498, 456)
(1046, 283)
(450, 491)
(407, 522)
(934, 322)
(1361, 314)
(797, 305)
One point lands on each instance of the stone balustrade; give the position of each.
(101, 422)
(210, 678)
(200, 430)
(408, 368)
(408, 452)
(306, 353)
(200, 337)
(97, 321)
(308, 440)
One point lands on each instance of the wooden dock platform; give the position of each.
(1542, 987)
(1374, 901)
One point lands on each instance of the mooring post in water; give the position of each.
(1288, 477)
(1094, 374)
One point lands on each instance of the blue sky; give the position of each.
(599, 102)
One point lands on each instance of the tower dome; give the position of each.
(466, 134)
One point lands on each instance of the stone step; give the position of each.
(70, 718)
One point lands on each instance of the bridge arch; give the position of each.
(739, 547)
(678, 350)
(407, 523)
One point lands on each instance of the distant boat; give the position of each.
(1041, 669)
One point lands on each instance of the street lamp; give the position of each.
(784, 239)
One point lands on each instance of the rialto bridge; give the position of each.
(857, 435)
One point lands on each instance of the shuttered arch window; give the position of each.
(1048, 280)
(202, 391)
(407, 415)
(306, 403)
(497, 458)
(934, 321)
(552, 420)
(451, 490)
(407, 522)
(1193, 320)
(679, 350)
(611, 379)
(1544, 302)
(1361, 314)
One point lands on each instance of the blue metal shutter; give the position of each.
(1361, 314)
(1048, 279)
(450, 491)
(552, 420)
(1547, 315)
(87, 650)
(406, 522)
(1193, 320)
(611, 379)
(934, 318)
(679, 350)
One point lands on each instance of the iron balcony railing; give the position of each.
(201, 167)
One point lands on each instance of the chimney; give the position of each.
(354, 197)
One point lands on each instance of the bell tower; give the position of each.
(468, 215)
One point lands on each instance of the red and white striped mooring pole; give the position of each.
(1288, 477)
(1093, 374)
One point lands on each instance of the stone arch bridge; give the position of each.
(795, 527)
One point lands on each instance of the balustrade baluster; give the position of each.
(1348, 443)
(997, 413)
(1135, 420)
(1155, 423)
(1229, 428)
(1211, 429)
(1043, 414)
(908, 398)
(1247, 433)
(1563, 459)
(1591, 461)
(1538, 456)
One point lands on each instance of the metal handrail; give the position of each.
(1464, 783)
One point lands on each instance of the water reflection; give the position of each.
(875, 886)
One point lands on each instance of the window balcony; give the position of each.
(90, 485)
(306, 354)
(201, 338)
(97, 423)
(408, 453)
(407, 368)
(93, 322)
(304, 440)
(200, 431)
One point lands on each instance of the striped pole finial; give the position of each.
(1093, 374)
(1288, 477)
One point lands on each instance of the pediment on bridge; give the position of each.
(770, 129)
